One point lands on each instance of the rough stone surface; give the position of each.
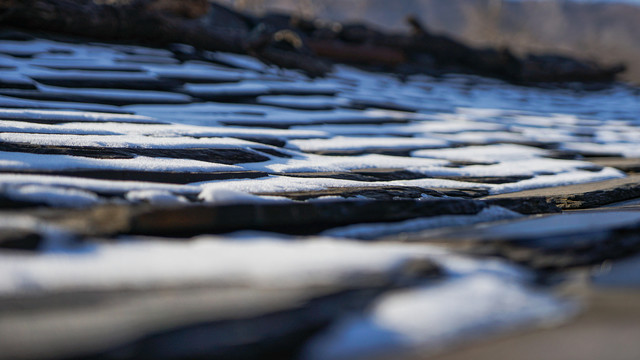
(300, 218)
(548, 243)
(579, 196)
(220, 156)
(240, 323)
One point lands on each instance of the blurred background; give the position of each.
(600, 30)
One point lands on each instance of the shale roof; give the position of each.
(151, 195)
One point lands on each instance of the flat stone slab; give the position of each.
(382, 193)
(61, 116)
(348, 120)
(304, 218)
(108, 80)
(289, 217)
(581, 196)
(242, 323)
(101, 96)
(363, 174)
(168, 177)
(220, 156)
(251, 89)
(547, 242)
(16, 103)
(233, 303)
(628, 204)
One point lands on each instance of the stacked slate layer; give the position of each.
(157, 206)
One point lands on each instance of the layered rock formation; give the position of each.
(172, 203)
